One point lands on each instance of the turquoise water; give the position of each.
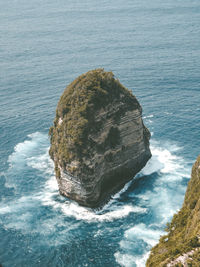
(153, 48)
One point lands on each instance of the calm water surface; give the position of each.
(153, 48)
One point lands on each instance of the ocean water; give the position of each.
(153, 48)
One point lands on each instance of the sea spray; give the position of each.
(145, 203)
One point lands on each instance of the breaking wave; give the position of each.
(162, 200)
(149, 200)
(34, 153)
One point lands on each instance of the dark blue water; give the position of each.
(153, 48)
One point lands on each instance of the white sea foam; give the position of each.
(23, 150)
(128, 260)
(20, 211)
(34, 154)
(110, 212)
(140, 261)
(165, 161)
(15, 206)
(42, 162)
(168, 191)
(81, 213)
(125, 260)
(117, 195)
(161, 199)
(162, 161)
(149, 116)
(164, 199)
(131, 240)
(148, 235)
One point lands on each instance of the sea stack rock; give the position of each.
(98, 141)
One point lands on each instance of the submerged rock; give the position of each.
(98, 141)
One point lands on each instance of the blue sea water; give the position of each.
(153, 47)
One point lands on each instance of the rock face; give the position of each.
(98, 141)
(181, 246)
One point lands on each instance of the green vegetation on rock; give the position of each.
(184, 230)
(75, 114)
(98, 140)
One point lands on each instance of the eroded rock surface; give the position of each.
(98, 141)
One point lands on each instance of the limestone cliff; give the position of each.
(181, 246)
(98, 141)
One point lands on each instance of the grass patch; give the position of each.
(184, 230)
